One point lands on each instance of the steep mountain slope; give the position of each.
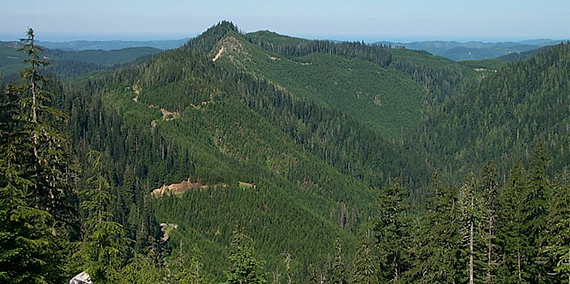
(292, 174)
(386, 100)
(440, 77)
(503, 117)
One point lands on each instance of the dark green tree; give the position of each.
(559, 227)
(143, 269)
(438, 259)
(35, 185)
(536, 214)
(49, 162)
(392, 231)
(186, 268)
(511, 238)
(490, 213)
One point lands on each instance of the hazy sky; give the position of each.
(396, 20)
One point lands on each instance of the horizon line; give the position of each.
(369, 39)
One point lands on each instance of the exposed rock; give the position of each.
(81, 278)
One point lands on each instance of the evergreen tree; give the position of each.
(245, 269)
(192, 274)
(490, 214)
(393, 233)
(339, 267)
(186, 268)
(104, 244)
(48, 168)
(559, 227)
(536, 213)
(511, 238)
(143, 269)
(364, 270)
(34, 181)
(438, 257)
(469, 202)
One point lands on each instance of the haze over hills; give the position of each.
(70, 63)
(330, 161)
(80, 45)
(459, 51)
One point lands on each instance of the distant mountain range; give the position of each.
(80, 45)
(474, 50)
(67, 63)
(457, 51)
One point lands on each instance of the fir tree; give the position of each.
(490, 214)
(559, 228)
(143, 269)
(511, 238)
(536, 213)
(438, 257)
(49, 163)
(364, 269)
(392, 232)
(469, 202)
(34, 181)
(245, 269)
(104, 244)
(339, 266)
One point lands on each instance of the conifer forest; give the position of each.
(264, 158)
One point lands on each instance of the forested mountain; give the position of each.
(501, 118)
(183, 116)
(272, 158)
(521, 55)
(386, 89)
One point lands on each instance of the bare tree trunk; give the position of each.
(519, 263)
(471, 239)
(490, 251)
(471, 268)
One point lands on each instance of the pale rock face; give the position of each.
(81, 278)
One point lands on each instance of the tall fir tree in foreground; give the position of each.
(438, 257)
(511, 238)
(104, 245)
(245, 269)
(470, 217)
(339, 272)
(559, 226)
(364, 269)
(392, 229)
(536, 212)
(35, 181)
(490, 214)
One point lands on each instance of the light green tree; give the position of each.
(104, 244)
(143, 269)
(245, 269)
(364, 269)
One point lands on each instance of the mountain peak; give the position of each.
(206, 41)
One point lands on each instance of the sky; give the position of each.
(362, 20)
